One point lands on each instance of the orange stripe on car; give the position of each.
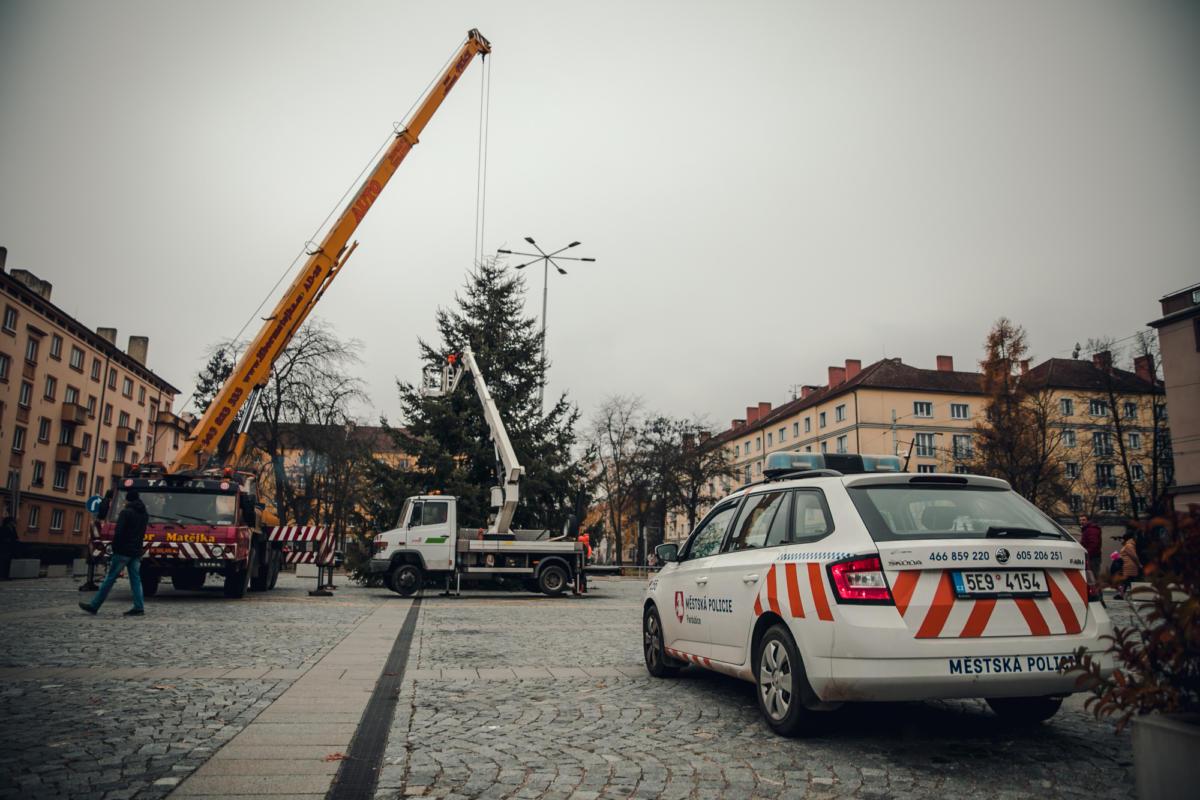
(902, 591)
(758, 609)
(1063, 605)
(939, 609)
(772, 591)
(820, 601)
(793, 590)
(1075, 576)
(980, 614)
(1033, 617)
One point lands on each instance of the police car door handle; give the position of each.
(751, 578)
(702, 579)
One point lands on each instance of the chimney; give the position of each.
(837, 375)
(108, 334)
(138, 345)
(853, 367)
(32, 282)
(3, 257)
(751, 414)
(945, 363)
(736, 423)
(1144, 367)
(763, 410)
(1102, 360)
(806, 390)
(1024, 366)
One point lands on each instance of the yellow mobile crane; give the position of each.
(204, 515)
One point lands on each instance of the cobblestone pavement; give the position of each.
(534, 698)
(114, 707)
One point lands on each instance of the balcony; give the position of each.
(67, 454)
(73, 414)
(126, 435)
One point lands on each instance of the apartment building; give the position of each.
(888, 407)
(75, 410)
(1179, 346)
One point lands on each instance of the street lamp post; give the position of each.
(547, 259)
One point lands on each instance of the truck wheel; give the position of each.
(654, 647)
(189, 581)
(1025, 710)
(276, 564)
(236, 583)
(552, 581)
(150, 585)
(782, 684)
(405, 579)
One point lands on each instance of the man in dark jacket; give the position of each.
(1090, 538)
(8, 545)
(126, 554)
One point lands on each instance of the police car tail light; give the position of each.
(860, 580)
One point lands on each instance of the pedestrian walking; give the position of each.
(126, 554)
(1131, 563)
(1090, 537)
(8, 545)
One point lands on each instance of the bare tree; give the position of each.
(703, 468)
(613, 438)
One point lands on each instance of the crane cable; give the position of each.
(485, 110)
(306, 249)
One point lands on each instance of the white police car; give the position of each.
(841, 578)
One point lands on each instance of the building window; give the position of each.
(1135, 440)
(1097, 408)
(925, 447)
(926, 468)
(127, 387)
(758, 444)
(737, 451)
(44, 429)
(962, 469)
(1076, 503)
(61, 473)
(123, 419)
(747, 447)
(824, 447)
(76, 359)
(962, 446)
(65, 434)
(95, 369)
(1102, 443)
(99, 487)
(1105, 476)
(91, 406)
(78, 526)
(87, 443)
(103, 454)
(51, 387)
(808, 424)
(108, 413)
(1066, 406)
(959, 411)
(922, 409)
(39, 473)
(112, 378)
(80, 482)
(1130, 410)
(795, 430)
(782, 435)
(808, 449)
(1160, 411)
(821, 420)
(1108, 503)
(25, 397)
(71, 395)
(839, 413)
(18, 444)
(748, 476)
(56, 519)
(35, 512)
(842, 444)
(1071, 469)
(10, 319)
(5, 364)
(31, 350)
(141, 395)
(1137, 471)
(56, 347)
(770, 439)
(1068, 437)
(758, 467)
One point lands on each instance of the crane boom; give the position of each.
(323, 264)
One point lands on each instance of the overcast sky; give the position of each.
(768, 187)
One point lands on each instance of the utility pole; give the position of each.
(547, 259)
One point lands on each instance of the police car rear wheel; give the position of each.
(653, 647)
(1025, 710)
(782, 684)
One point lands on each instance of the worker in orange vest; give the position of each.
(587, 545)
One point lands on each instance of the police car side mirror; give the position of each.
(666, 553)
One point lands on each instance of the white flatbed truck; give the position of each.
(429, 543)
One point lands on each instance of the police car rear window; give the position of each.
(905, 511)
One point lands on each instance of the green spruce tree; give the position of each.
(454, 452)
